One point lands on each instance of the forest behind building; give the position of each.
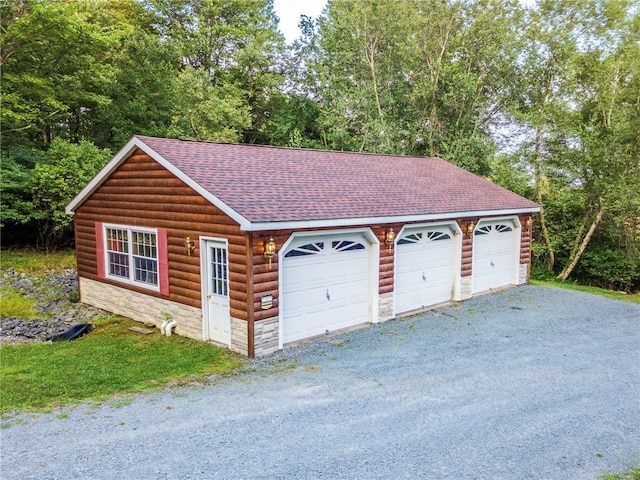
(541, 97)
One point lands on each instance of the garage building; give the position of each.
(255, 247)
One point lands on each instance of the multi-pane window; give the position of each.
(218, 271)
(132, 255)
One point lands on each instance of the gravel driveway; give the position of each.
(529, 382)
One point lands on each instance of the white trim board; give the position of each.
(347, 222)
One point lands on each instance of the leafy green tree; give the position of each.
(142, 90)
(235, 46)
(207, 112)
(576, 95)
(411, 76)
(606, 160)
(66, 170)
(17, 165)
(55, 69)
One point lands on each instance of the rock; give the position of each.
(24, 284)
(56, 300)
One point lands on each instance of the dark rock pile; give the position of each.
(56, 297)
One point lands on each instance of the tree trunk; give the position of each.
(583, 245)
(551, 260)
(538, 179)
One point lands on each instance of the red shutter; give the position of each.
(100, 250)
(163, 262)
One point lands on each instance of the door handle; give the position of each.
(328, 296)
(424, 277)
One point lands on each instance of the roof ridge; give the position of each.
(303, 149)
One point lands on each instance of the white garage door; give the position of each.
(424, 273)
(494, 251)
(325, 285)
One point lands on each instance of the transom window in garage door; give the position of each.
(308, 249)
(318, 247)
(497, 228)
(416, 237)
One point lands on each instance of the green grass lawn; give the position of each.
(16, 305)
(110, 360)
(36, 263)
(634, 297)
(634, 474)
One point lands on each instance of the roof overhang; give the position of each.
(348, 222)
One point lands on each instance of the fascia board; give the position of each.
(345, 222)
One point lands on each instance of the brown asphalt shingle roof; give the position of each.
(273, 184)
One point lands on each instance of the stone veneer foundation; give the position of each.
(385, 307)
(152, 311)
(523, 274)
(142, 308)
(239, 337)
(465, 287)
(266, 335)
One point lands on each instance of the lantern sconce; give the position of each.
(189, 245)
(469, 228)
(528, 222)
(269, 250)
(389, 237)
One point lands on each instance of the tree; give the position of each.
(55, 70)
(207, 112)
(431, 92)
(234, 45)
(66, 170)
(577, 98)
(606, 161)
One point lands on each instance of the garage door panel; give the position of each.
(424, 273)
(326, 285)
(494, 250)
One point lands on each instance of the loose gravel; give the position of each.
(527, 383)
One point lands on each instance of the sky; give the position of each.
(289, 12)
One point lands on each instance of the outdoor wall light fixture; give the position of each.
(528, 222)
(189, 245)
(469, 228)
(389, 237)
(269, 250)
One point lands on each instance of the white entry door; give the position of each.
(326, 285)
(217, 317)
(425, 268)
(494, 255)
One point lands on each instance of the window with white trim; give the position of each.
(132, 255)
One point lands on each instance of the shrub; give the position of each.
(610, 269)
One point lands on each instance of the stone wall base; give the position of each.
(239, 336)
(465, 288)
(523, 274)
(385, 307)
(266, 334)
(143, 308)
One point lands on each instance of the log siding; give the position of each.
(142, 193)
